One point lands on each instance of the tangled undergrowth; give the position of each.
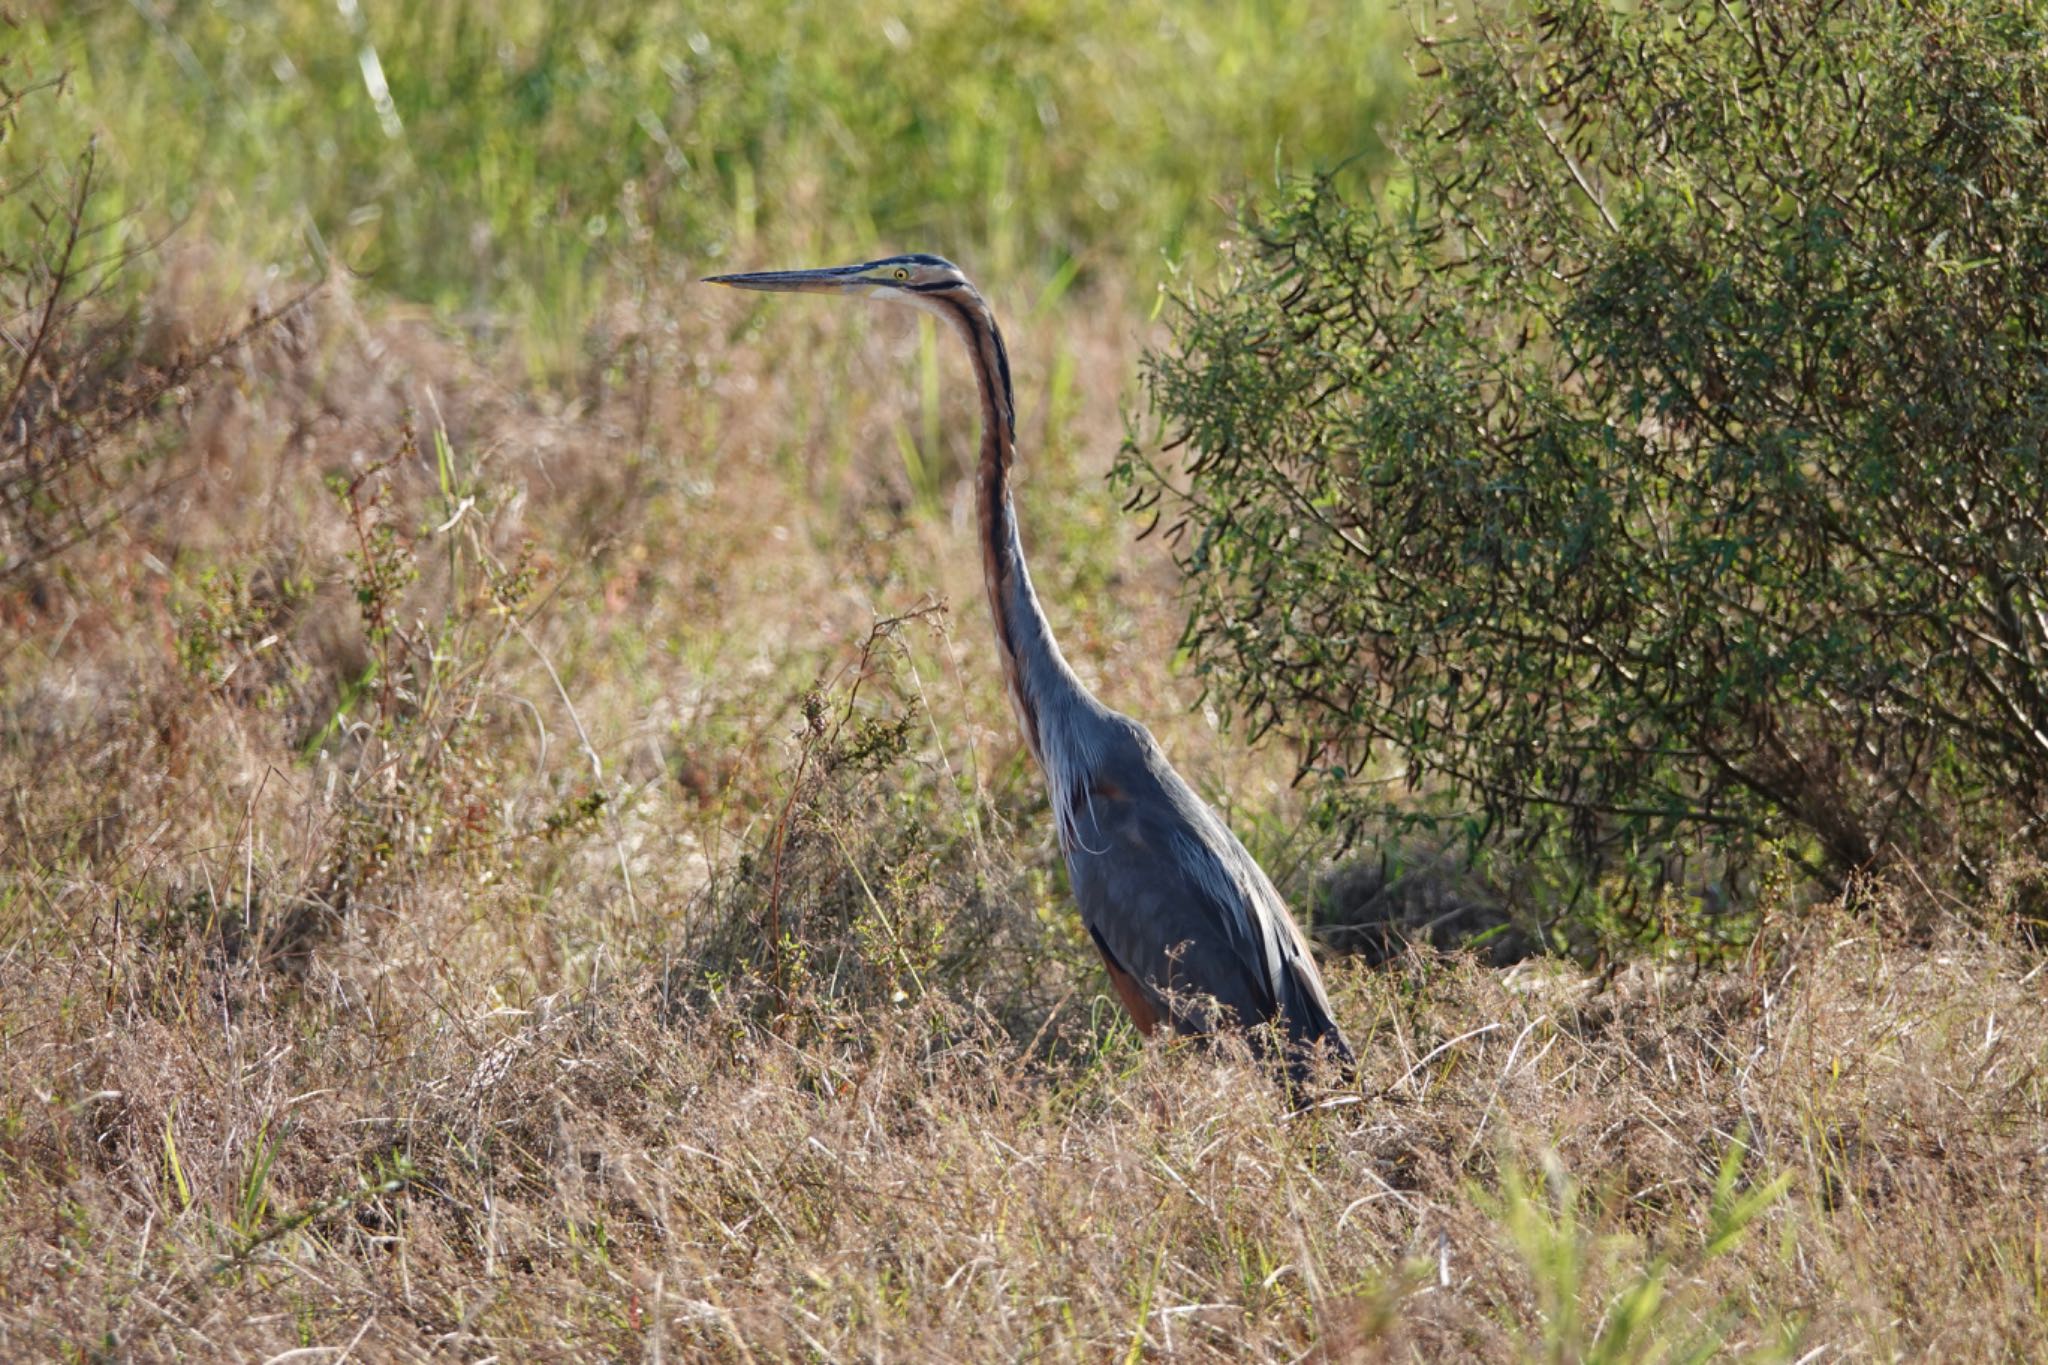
(1835, 1149)
(453, 904)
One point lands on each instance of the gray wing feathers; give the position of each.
(1296, 985)
(1171, 894)
(1159, 913)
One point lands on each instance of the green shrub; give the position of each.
(1659, 466)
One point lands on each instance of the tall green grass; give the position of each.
(514, 158)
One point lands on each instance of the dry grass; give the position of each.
(410, 991)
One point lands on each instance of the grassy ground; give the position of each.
(517, 163)
(506, 859)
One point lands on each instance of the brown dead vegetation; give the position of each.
(476, 883)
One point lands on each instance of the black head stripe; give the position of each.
(1003, 369)
(917, 258)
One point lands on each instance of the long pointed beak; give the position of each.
(833, 281)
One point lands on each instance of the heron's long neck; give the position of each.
(1043, 688)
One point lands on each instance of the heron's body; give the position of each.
(1181, 914)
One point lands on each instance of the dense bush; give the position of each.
(1659, 466)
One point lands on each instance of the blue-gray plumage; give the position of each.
(1181, 914)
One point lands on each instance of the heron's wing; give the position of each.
(1303, 1004)
(1173, 899)
(1158, 906)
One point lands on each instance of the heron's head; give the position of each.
(913, 279)
(930, 283)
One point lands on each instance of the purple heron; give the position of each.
(1186, 921)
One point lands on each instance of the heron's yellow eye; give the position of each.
(901, 273)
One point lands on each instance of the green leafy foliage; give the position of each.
(1659, 468)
